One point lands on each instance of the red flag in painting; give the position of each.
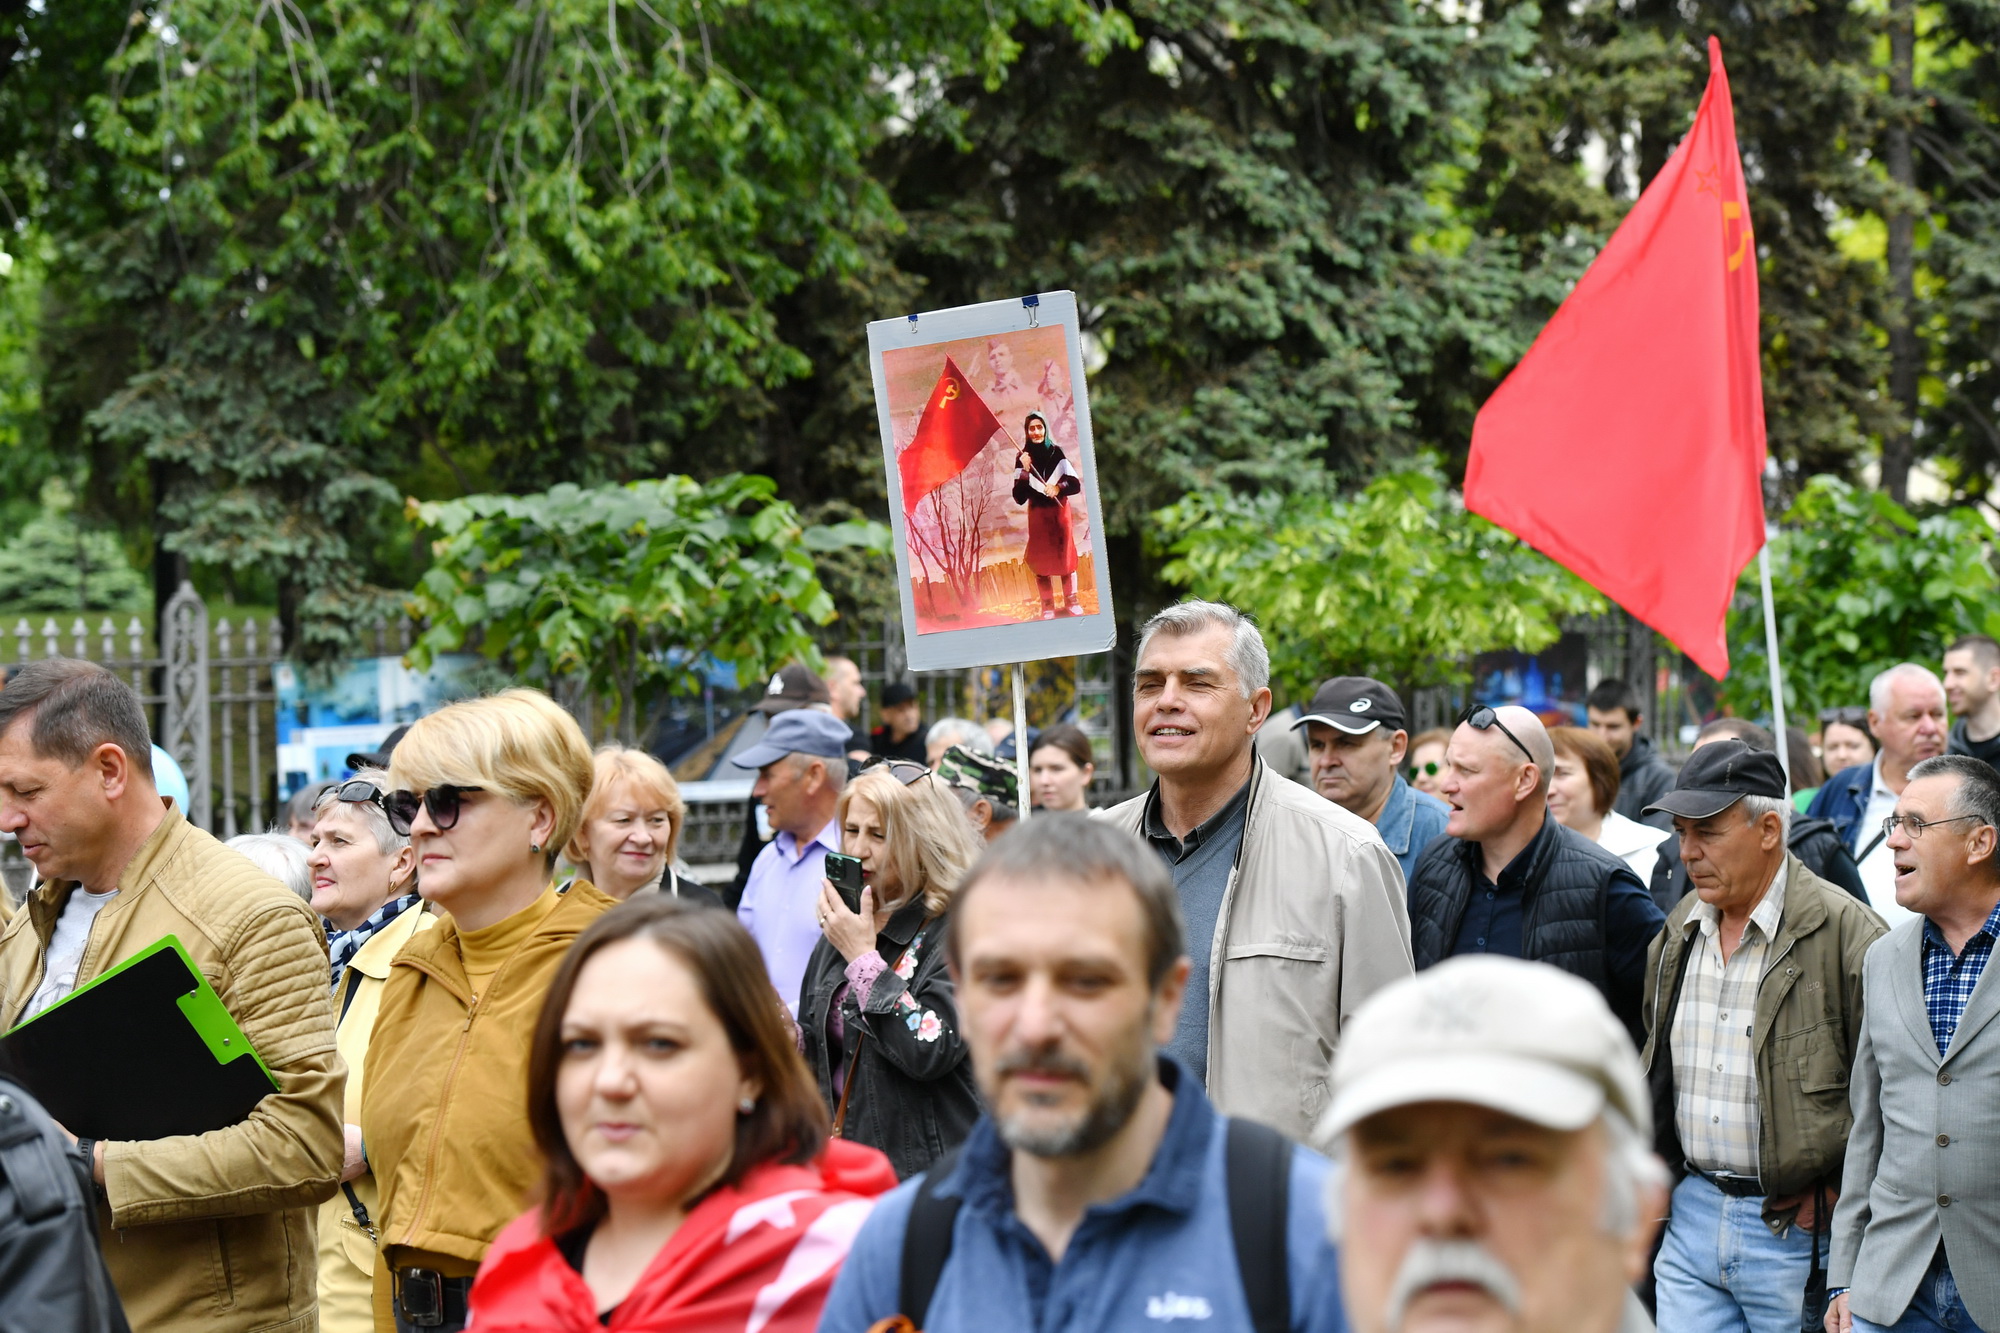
(956, 425)
(1628, 444)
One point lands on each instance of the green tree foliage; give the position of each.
(53, 563)
(1859, 585)
(1399, 582)
(626, 589)
(313, 247)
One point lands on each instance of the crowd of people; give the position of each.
(1510, 1026)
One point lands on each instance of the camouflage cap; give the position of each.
(959, 767)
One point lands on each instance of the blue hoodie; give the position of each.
(1159, 1256)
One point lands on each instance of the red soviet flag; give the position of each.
(1628, 443)
(956, 425)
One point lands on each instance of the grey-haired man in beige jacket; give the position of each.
(1295, 908)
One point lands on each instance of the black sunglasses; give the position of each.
(1479, 717)
(443, 803)
(906, 771)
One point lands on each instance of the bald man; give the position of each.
(1507, 879)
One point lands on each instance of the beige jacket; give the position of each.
(1314, 921)
(213, 1231)
(346, 1252)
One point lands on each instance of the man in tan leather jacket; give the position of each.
(1294, 906)
(211, 1231)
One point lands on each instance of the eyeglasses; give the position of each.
(444, 804)
(1429, 770)
(906, 771)
(1846, 717)
(1915, 827)
(1479, 717)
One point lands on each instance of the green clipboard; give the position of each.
(145, 1051)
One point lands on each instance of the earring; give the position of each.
(746, 1105)
(534, 849)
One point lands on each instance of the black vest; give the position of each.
(1561, 876)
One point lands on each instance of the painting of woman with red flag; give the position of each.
(994, 522)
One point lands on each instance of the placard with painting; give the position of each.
(992, 485)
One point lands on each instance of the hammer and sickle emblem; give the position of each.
(1733, 212)
(951, 386)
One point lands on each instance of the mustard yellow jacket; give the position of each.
(444, 1110)
(213, 1231)
(346, 1252)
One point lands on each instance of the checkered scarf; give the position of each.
(342, 945)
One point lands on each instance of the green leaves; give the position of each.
(1397, 582)
(627, 589)
(1859, 584)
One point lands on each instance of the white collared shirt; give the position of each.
(1878, 868)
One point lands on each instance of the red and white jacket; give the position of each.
(756, 1258)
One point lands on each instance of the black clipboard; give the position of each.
(145, 1051)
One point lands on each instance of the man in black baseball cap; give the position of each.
(901, 735)
(1356, 737)
(1742, 1113)
(794, 686)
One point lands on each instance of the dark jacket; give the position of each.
(1842, 798)
(912, 1096)
(1807, 1021)
(1813, 841)
(1643, 778)
(55, 1275)
(1565, 881)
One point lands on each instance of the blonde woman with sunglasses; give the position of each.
(487, 791)
(877, 1013)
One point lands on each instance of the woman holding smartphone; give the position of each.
(879, 1022)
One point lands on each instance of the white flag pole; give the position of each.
(1021, 742)
(1777, 673)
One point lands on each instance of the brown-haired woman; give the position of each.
(486, 790)
(672, 1110)
(1060, 768)
(877, 1012)
(1581, 792)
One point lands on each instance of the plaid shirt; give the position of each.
(1948, 981)
(1715, 1062)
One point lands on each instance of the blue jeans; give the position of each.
(1936, 1308)
(1721, 1270)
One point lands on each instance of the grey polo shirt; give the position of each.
(1201, 864)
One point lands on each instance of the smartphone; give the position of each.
(845, 872)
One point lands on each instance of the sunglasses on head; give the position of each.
(1846, 717)
(906, 771)
(443, 803)
(1480, 718)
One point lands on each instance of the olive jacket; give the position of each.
(213, 1231)
(444, 1113)
(1803, 1032)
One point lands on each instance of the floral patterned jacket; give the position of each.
(913, 1094)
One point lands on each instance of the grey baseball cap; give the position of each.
(798, 731)
(1521, 1038)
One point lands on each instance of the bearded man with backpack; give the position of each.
(1101, 1191)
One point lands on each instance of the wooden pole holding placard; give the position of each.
(1022, 799)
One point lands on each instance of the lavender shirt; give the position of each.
(780, 906)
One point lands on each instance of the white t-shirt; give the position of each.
(1878, 868)
(66, 947)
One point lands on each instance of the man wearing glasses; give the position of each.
(1508, 879)
(1916, 1238)
(1753, 1006)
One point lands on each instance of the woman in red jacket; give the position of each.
(690, 1182)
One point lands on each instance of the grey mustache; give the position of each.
(1432, 1262)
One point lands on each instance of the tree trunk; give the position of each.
(1905, 350)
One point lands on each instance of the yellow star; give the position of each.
(1706, 179)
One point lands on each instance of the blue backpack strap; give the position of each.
(1259, 1162)
(927, 1241)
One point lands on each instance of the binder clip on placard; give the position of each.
(1034, 304)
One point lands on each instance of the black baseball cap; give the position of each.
(377, 758)
(1719, 775)
(1356, 705)
(897, 692)
(792, 687)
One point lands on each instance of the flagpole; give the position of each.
(1021, 794)
(1777, 673)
